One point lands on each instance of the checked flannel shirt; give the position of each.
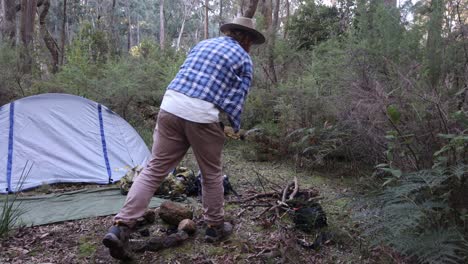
(219, 71)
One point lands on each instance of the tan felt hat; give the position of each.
(246, 24)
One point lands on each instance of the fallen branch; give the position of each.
(296, 189)
(256, 196)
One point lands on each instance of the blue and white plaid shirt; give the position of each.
(219, 71)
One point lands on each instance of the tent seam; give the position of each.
(10, 147)
(103, 141)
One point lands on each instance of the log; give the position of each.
(172, 213)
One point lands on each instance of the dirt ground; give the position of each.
(255, 240)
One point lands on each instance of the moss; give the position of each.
(313, 180)
(215, 251)
(85, 247)
(231, 207)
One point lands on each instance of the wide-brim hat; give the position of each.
(246, 24)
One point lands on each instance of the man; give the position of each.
(216, 76)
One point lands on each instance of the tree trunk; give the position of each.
(9, 24)
(252, 7)
(181, 32)
(267, 6)
(162, 38)
(64, 23)
(221, 21)
(272, 42)
(114, 36)
(286, 22)
(48, 40)
(206, 20)
(28, 15)
(138, 32)
(129, 26)
(434, 41)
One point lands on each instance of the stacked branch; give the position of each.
(277, 201)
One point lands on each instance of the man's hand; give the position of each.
(229, 132)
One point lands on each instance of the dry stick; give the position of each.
(285, 191)
(260, 180)
(266, 179)
(253, 197)
(241, 212)
(280, 203)
(296, 189)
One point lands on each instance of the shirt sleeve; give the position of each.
(238, 95)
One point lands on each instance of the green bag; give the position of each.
(178, 182)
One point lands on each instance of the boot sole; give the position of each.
(116, 247)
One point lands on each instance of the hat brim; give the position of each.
(258, 37)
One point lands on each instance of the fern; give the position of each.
(414, 217)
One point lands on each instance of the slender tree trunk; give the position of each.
(48, 40)
(162, 37)
(434, 41)
(9, 23)
(28, 16)
(64, 23)
(266, 9)
(206, 20)
(221, 20)
(129, 26)
(114, 36)
(272, 42)
(138, 31)
(251, 8)
(286, 22)
(181, 32)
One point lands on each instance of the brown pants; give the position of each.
(172, 138)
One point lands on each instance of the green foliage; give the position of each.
(9, 213)
(10, 206)
(129, 85)
(8, 73)
(86, 248)
(414, 216)
(313, 23)
(319, 143)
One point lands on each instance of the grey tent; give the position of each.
(52, 138)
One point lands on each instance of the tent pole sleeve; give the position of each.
(104, 145)
(10, 146)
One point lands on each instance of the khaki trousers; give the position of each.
(171, 139)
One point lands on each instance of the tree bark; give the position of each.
(162, 38)
(9, 24)
(138, 32)
(221, 21)
(251, 8)
(187, 7)
(48, 40)
(272, 42)
(114, 36)
(206, 20)
(64, 23)
(28, 15)
(267, 11)
(286, 22)
(434, 42)
(129, 26)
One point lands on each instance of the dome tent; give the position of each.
(52, 138)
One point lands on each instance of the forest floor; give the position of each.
(253, 241)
